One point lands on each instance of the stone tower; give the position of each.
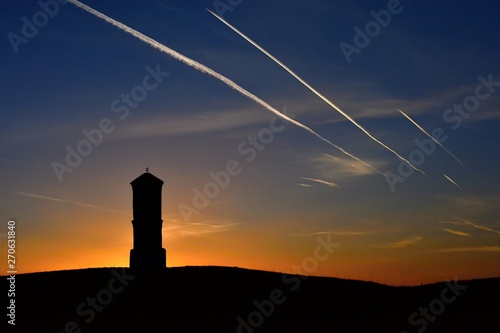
(147, 223)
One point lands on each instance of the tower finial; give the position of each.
(147, 169)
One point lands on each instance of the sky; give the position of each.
(87, 107)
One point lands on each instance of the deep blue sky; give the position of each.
(429, 57)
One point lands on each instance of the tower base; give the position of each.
(148, 259)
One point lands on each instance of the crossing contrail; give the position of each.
(316, 92)
(204, 69)
(430, 136)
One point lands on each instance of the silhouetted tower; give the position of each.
(147, 223)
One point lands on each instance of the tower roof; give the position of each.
(146, 179)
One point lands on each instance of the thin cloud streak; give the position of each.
(366, 104)
(463, 222)
(198, 123)
(346, 233)
(321, 181)
(455, 232)
(402, 243)
(470, 249)
(204, 69)
(461, 189)
(451, 222)
(341, 233)
(332, 167)
(477, 226)
(77, 203)
(180, 229)
(316, 92)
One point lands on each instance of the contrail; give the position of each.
(453, 182)
(44, 197)
(321, 181)
(461, 189)
(204, 69)
(316, 92)
(304, 185)
(430, 136)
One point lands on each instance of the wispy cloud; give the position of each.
(461, 189)
(340, 233)
(175, 229)
(331, 167)
(455, 232)
(465, 222)
(462, 200)
(304, 185)
(451, 222)
(477, 226)
(321, 181)
(470, 249)
(191, 123)
(402, 243)
(77, 203)
(337, 233)
(367, 102)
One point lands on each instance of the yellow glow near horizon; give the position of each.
(74, 237)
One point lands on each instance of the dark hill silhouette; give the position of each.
(220, 299)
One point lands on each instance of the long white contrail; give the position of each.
(204, 69)
(430, 136)
(316, 92)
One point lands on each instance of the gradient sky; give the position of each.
(432, 57)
